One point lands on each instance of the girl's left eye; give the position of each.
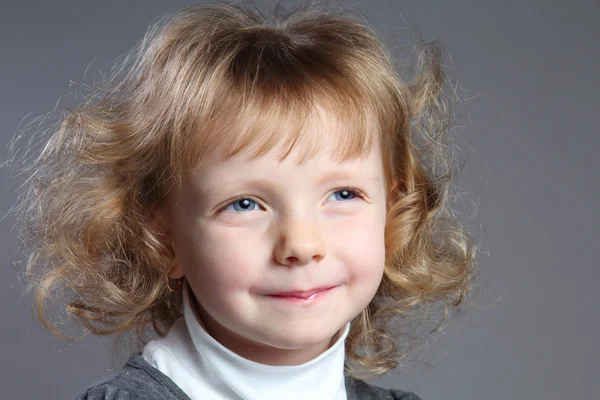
(243, 204)
(343, 194)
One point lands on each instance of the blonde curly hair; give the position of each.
(196, 76)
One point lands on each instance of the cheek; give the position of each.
(219, 259)
(361, 246)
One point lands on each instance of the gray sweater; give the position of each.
(138, 380)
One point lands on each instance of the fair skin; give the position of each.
(244, 231)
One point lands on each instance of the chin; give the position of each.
(302, 338)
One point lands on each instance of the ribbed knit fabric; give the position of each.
(138, 380)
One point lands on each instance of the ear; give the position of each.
(159, 223)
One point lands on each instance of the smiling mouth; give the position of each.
(300, 296)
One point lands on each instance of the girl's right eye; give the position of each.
(243, 204)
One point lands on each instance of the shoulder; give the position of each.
(136, 381)
(357, 389)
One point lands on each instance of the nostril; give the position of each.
(293, 260)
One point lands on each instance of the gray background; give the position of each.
(530, 70)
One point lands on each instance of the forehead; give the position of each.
(285, 168)
(251, 134)
(305, 154)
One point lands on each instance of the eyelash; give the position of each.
(357, 194)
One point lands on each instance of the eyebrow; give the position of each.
(339, 175)
(321, 180)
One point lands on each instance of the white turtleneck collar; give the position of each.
(205, 369)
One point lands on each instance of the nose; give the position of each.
(299, 243)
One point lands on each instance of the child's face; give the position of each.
(247, 231)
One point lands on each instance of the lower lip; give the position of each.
(300, 300)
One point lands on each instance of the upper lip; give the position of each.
(304, 294)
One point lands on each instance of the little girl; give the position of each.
(263, 193)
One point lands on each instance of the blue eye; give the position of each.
(344, 194)
(243, 204)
